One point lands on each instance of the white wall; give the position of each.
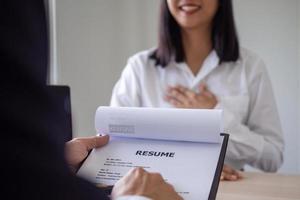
(299, 83)
(269, 27)
(95, 38)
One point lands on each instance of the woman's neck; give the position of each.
(197, 44)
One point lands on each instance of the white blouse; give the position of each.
(243, 90)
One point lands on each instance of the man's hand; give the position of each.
(230, 174)
(77, 149)
(181, 97)
(139, 182)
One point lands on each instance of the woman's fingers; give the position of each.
(182, 97)
(178, 95)
(230, 174)
(228, 177)
(173, 101)
(189, 93)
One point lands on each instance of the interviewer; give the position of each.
(33, 165)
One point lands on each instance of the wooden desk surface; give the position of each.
(261, 186)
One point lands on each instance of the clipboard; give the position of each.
(202, 167)
(216, 181)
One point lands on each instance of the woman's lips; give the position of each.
(190, 8)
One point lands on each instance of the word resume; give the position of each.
(184, 145)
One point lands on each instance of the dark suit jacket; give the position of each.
(32, 154)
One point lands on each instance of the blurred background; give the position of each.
(92, 40)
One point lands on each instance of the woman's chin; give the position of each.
(191, 25)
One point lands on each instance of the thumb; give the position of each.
(95, 141)
(204, 91)
(202, 87)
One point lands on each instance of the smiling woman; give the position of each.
(199, 64)
(192, 14)
(91, 52)
(210, 25)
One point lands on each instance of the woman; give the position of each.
(198, 64)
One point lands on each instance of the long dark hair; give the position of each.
(224, 36)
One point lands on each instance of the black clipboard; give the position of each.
(216, 181)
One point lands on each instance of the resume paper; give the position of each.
(182, 144)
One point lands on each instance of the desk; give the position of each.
(261, 186)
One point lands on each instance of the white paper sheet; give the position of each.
(189, 166)
(196, 125)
